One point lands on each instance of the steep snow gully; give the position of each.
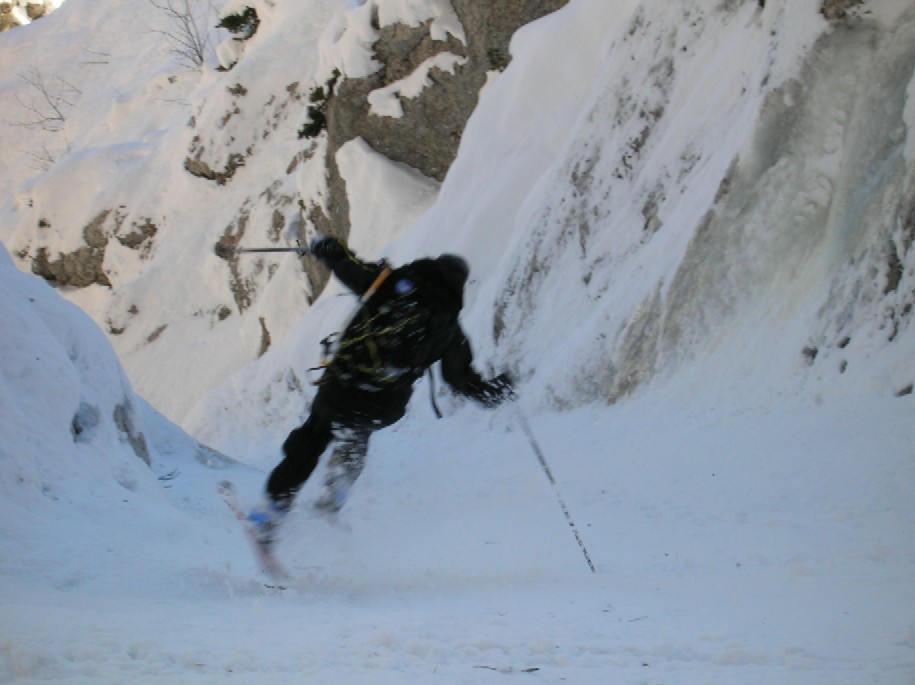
(700, 211)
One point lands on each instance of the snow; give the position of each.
(443, 18)
(732, 544)
(749, 507)
(385, 102)
(397, 195)
(346, 43)
(910, 116)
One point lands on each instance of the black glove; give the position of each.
(325, 247)
(497, 391)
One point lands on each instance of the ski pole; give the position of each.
(549, 474)
(225, 252)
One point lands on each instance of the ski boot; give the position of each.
(265, 519)
(343, 469)
(331, 500)
(333, 497)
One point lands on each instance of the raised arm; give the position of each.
(355, 274)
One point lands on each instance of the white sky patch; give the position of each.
(386, 102)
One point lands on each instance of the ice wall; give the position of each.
(718, 202)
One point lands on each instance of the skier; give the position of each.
(407, 321)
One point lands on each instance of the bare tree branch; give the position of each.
(47, 102)
(98, 57)
(42, 160)
(188, 35)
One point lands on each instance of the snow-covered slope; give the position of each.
(133, 116)
(732, 192)
(729, 174)
(84, 462)
(730, 543)
(641, 183)
(701, 211)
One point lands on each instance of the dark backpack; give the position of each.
(398, 332)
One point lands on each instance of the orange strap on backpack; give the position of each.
(385, 272)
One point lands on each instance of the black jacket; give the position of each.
(437, 286)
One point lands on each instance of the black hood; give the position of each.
(454, 270)
(441, 279)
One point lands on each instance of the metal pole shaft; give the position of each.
(239, 250)
(224, 252)
(549, 474)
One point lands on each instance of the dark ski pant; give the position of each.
(342, 414)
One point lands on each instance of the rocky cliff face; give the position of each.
(426, 131)
(425, 135)
(665, 168)
(153, 164)
(20, 12)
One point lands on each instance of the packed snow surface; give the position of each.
(731, 543)
(697, 210)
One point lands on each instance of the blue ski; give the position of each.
(262, 551)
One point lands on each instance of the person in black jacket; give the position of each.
(407, 321)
